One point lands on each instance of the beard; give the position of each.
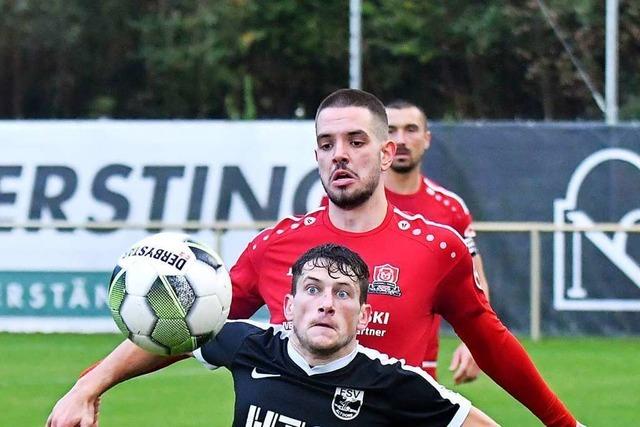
(403, 168)
(407, 164)
(347, 200)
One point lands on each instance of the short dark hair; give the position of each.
(342, 98)
(336, 259)
(400, 104)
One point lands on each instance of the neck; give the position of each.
(403, 183)
(363, 218)
(314, 359)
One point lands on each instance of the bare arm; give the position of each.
(477, 418)
(464, 367)
(79, 406)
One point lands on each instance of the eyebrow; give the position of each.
(351, 133)
(404, 125)
(338, 282)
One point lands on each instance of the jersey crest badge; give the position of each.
(347, 402)
(385, 280)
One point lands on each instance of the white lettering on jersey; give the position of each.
(380, 317)
(270, 419)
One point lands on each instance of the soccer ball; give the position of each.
(169, 294)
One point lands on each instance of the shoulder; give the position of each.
(435, 236)
(410, 387)
(391, 369)
(448, 198)
(223, 347)
(286, 227)
(238, 330)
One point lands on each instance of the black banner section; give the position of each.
(564, 173)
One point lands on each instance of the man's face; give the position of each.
(350, 155)
(325, 312)
(407, 128)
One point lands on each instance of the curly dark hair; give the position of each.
(336, 259)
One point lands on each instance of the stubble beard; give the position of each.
(307, 345)
(347, 201)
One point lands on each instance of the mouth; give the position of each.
(402, 153)
(322, 325)
(343, 177)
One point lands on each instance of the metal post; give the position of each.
(611, 62)
(355, 44)
(535, 285)
(219, 232)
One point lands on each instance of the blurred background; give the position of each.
(246, 59)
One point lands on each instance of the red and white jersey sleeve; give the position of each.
(461, 301)
(246, 298)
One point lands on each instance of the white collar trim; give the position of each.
(319, 369)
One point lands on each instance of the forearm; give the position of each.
(502, 357)
(495, 349)
(477, 418)
(124, 362)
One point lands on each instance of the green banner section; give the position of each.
(60, 294)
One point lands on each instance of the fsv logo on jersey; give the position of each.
(347, 402)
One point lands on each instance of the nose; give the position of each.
(399, 137)
(340, 153)
(326, 303)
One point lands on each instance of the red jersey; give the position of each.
(418, 269)
(437, 204)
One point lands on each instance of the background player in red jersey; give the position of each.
(419, 269)
(413, 192)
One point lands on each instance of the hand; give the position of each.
(75, 410)
(466, 369)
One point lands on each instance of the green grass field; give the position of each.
(598, 378)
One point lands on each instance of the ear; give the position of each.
(427, 139)
(387, 152)
(364, 317)
(315, 152)
(288, 307)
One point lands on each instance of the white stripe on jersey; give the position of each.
(435, 187)
(429, 364)
(197, 354)
(465, 405)
(295, 218)
(426, 221)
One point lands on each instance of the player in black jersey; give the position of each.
(317, 374)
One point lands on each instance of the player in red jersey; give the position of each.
(419, 269)
(413, 192)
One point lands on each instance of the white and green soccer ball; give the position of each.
(169, 294)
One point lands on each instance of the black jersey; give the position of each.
(276, 387)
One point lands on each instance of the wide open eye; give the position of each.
(343, 294)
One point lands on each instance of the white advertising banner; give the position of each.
(133, 171)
